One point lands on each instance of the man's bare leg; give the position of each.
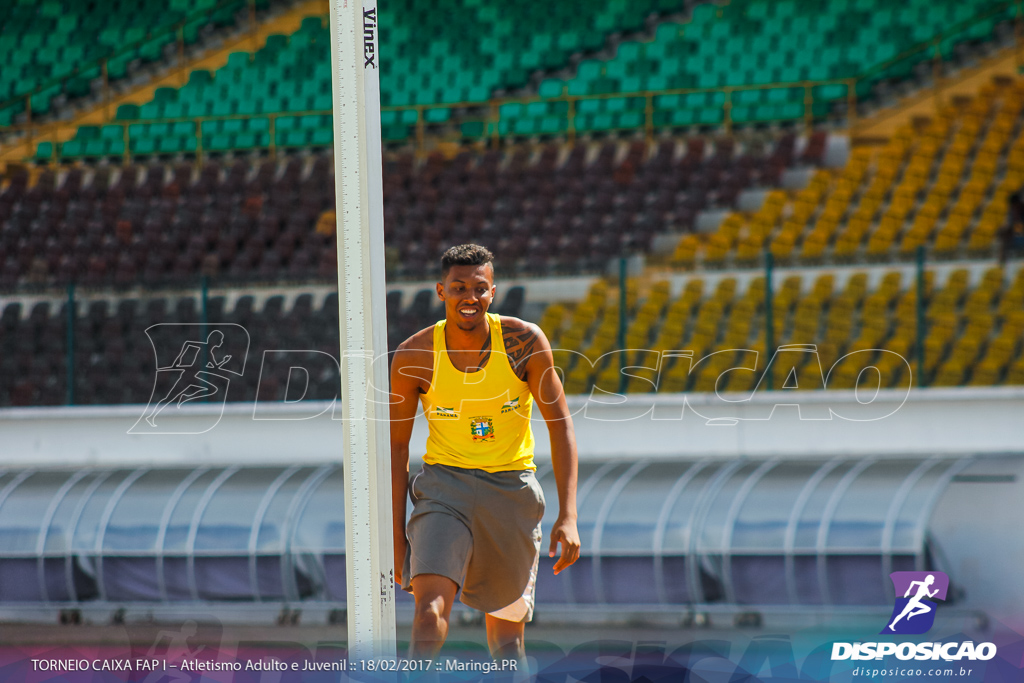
(505, 640)
(434, 597)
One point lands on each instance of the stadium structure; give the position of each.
(715, 211)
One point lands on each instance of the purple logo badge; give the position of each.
(914, 612)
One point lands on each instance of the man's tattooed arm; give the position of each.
(520, 339)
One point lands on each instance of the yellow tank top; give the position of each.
(478, 420)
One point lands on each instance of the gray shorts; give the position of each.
(481, 530)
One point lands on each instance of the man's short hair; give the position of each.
(466, 255)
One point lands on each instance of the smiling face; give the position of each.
(467, 292)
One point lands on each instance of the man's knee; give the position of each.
(434, 595)
(430, 610)
(505, 638)
(509, 647)
(429, 623)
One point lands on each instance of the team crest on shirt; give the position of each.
(440, 411)
(509, 406)
(482, 429)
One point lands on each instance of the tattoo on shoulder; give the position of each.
(520, 339)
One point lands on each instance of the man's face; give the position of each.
(467, 292)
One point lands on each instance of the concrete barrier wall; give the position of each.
(986, 420)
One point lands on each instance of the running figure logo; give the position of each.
(914, 612)
(201, 370)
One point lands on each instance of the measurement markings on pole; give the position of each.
(362, 328)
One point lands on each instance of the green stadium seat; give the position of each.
(169, 144)
(223, 108)
(524, 126)
(602, 122)
(44, 151)
(746, 97)
(218, 143)
(629, 119)
(296, 137)
(201, 77)
(322, 137)
(150, 51)
(196, 109)
(165, 95)
(790, 110)
(535, 109)
(71, 148)
(616, 104)
(244, 141)
(469, 129)
(144, 146)
(238, 61)
(436, 115)
(667, 101)
(40, 103)
(322, 102)
(577, 88)
(684, 117)
(710, 116)
(95, 148)
(248, 107)
(550, 88)
(478, 93)
(510, 110)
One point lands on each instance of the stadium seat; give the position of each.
(41, 44)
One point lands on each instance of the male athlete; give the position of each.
(475, 523)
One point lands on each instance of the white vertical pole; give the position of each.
(357, 163)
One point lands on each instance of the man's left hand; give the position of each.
(564, 532)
